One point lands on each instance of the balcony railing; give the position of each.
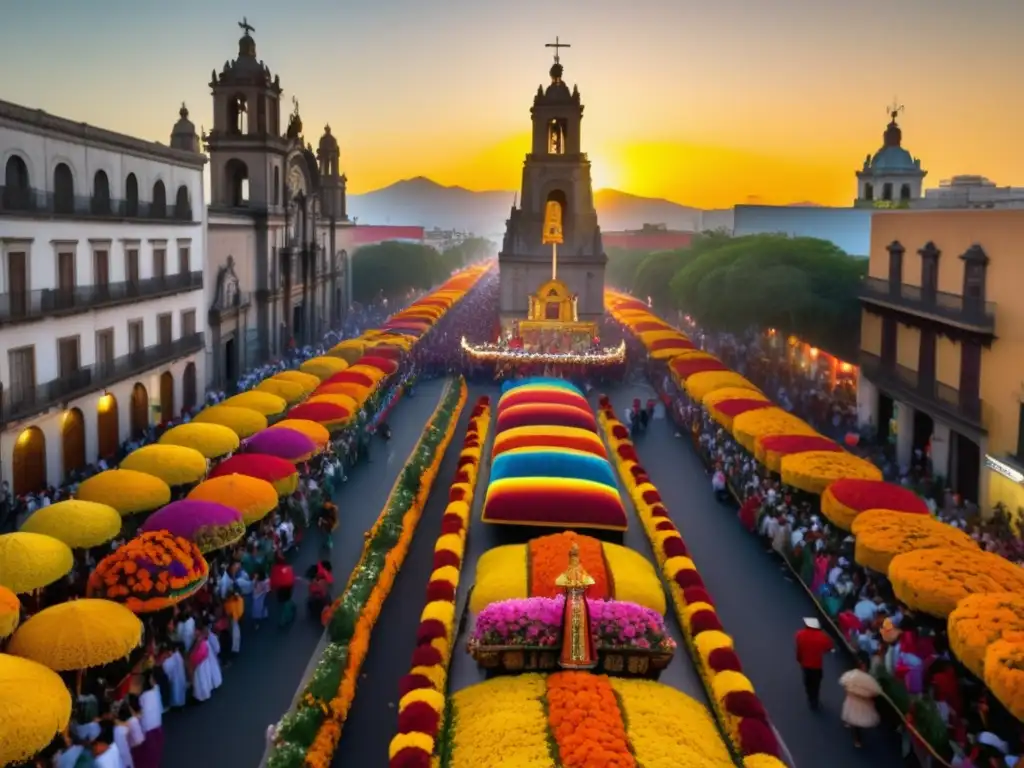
(20, 404)
(941, 304)
(35, 202)
(33, 305)
(925, 394)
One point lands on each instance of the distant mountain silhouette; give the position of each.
(422, 202)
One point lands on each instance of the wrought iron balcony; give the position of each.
(937, 305)
(18, 404)
(933, 397)
(34, 305)
(15, 201)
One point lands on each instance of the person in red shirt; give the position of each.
(811, 646)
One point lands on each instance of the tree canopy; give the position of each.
(804, 286)
(393, 267)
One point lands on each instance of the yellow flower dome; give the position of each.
(10, 612)
(881, 534)
(127, 491)
(244, 422)
(211, 440)
(173, 464)
(980, 620)
(700, 384)
(713, 398)
(348, 351)
(289, 391)
(933, 581)
(79, 524)
(315, 432)
(749, 426)
(307, 381)
(253, 497)
(31, 561)
(35, 706)
(337, 398)
(78, 634)
(1004, 674)
(814, 471)
(323, 367)
(261, 402)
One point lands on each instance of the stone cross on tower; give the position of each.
(556, 45)
(895, 109)
(246, 27)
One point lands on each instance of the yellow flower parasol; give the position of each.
(78, 635)
(10, 612)
(79, 524)
(31, 561)
(253, 497)
(244, 422)
(323, 367)
(125, 490)
(307, 381)
(173, 464)
(315, 432)
(211, 440)
(35, 706)
(261, 402)
(289, 391)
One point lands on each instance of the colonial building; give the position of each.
(101, 290)
(942, 345)
(278, 271)
(892, 175)
(556, 212)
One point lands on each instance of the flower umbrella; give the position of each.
(383, 364)
(173, 464)
(253, 497)
(211, 440)
(279, 472)
(209, 525)
(289, 391)
(36, 706)
(244, 422)
(386, 351)
(79, 524)
(78, 635)
(322, 367)
(331, 416)
(127, 491)
(151, 572)
(307, 381)
(31, 561)
(287, 444)
(357, 393)
(10, 612)
(315, 432)
(348, 351)
(360, 375)
(261, 402)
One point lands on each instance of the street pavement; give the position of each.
(230, 728)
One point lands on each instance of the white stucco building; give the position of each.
(102, 248)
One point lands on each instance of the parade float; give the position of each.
(566, 656)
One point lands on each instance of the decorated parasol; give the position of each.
(209, 525)
(127, 491)
(254, 498)
(211, 440)
(315, 432)
(10, 612)
(289, 444)
(242, 421)
(31, 561)
(79, 634)
(173, 464)
(35, 706)
(279, 472)
(79, 524)
(329, 415)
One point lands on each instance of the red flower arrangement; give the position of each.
(151, 572)
(684, 368)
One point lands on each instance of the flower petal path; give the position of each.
(264, 677)
(759, 607)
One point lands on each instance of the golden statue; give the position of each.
(578, 650)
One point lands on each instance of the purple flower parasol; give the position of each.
(210, 525)
(283, 443)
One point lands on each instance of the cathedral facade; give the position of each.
(555, 220)
(277, 272)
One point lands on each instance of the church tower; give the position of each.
(556, 212)
(246, 147)
(892, 177)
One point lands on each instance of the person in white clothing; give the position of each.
(105, 751)
(173, 666)
(151, 706)
(122, 736)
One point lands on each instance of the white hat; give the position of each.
(812, 623)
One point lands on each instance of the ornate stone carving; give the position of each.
(227, 296)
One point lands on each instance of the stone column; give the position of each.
(904, 434)
(941, 438)
(867, 403)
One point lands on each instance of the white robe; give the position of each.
(186, 634)
(215, 671)
(174, 668)
(202, 679)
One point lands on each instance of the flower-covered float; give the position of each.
(567, 633)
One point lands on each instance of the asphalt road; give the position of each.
(230, 728)
(759, 605)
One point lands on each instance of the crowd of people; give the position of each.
(906, 653)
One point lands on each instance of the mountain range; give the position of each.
(423, 202)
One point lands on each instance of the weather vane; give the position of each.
(895, 109)
(556, 45)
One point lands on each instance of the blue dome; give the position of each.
(893, 159)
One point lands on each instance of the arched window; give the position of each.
(238, 116)
(556, 137)
(887, 191)
(905, 192)
(101, 194)
(131, 195)
(17, 191)
(869, 191)
(236, 178)
(63, 189)
(158, 205)
(182, 207)
(277, 185)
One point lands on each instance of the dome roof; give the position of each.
(893, 159)
(327, 141)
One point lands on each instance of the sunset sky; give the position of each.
(706, 104)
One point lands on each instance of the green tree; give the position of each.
(393, 267)
(620, 270)
(656, 270)
(469, 250)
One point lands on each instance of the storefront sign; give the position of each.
(1004, 469)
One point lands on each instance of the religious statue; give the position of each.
(578, 648)
(555, 139)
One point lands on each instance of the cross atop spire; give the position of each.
(895, 109)
(246, 27)
(556, 45)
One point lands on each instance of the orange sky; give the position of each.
(706, 105)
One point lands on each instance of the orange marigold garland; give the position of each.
(585, 721)
(151, 572)
(549, 554)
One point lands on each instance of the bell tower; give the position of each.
(246, 147)
(554, 232)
